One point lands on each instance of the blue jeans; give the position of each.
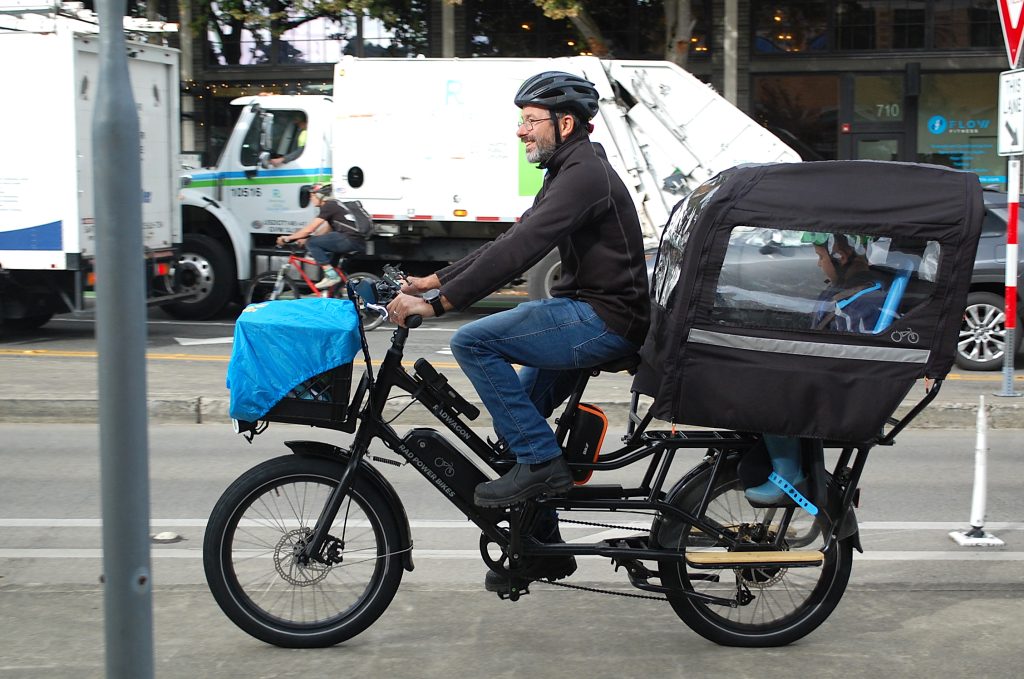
(554, 339)
(322, 247)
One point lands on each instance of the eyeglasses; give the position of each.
(530, 123)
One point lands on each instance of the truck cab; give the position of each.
(257, 190)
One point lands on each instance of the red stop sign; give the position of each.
(1013, 27)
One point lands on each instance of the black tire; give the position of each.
(787, 604)
(26, 324)
(369, 318)
(982, 341)
(262, 289)
(543, 275)
(206, 268)
(254, 577)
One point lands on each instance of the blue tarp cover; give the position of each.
(281, 344)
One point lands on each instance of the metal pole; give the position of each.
(447, 29)
(121, 341)
(1010, 308)
(731, 51)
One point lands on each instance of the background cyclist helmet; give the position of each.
(322, 190)
(560, 91)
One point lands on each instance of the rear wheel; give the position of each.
(772, 606)
(263, 289)
(253, 546)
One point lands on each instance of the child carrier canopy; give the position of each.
(805, 299)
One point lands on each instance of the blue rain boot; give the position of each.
(784, 452)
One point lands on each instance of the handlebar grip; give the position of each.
(413, 321)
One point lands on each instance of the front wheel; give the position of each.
(772, 606)
(206, 268)
(253, 546)
(265, 289)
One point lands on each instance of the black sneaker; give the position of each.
(541, 568)
(524, 482)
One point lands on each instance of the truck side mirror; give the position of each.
(267, 131)
(264, 159)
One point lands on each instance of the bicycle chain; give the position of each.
(602, 525)
(595, 590)
(603, 591)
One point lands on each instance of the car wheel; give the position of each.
(982, 341)
(543, 275)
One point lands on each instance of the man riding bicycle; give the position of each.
(335, 233)
(599, 310)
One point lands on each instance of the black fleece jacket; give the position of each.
(585, 210)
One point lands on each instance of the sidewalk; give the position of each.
(188, 387)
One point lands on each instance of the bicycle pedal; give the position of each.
(515, 588)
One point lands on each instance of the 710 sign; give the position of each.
(1011, 113)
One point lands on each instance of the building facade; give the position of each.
(908, 80)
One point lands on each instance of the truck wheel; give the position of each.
(27, 323)
(543, 275)
(207, 269)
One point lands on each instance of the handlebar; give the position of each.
(385, 290)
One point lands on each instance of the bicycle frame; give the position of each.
(299, 262)
(456, 476)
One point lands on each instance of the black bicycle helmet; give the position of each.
(559, 91)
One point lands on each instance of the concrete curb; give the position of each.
(213, 410)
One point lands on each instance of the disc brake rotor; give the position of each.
(287, 563)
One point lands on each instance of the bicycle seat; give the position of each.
(625, 364)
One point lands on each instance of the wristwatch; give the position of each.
(434, 297)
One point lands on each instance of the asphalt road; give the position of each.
(918, 605)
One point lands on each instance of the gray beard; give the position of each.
(541, 153)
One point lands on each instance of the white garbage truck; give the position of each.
(47, 218)
(428, 146)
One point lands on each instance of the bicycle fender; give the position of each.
(368, 471)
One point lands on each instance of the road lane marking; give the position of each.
(190, 342)
(472, 554)
(50, 353)
(466, 523)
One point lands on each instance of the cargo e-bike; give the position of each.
(308, 549)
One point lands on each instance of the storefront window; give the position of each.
(800, 110)
(956, 124)
(966, 23)
(790, 27)
(799, 26)
(878, 98)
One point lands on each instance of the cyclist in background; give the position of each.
(332, 231)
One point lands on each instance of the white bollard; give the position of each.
(976, 536)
